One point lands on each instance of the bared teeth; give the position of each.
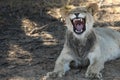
(80, 19)
(79, 31)
(75, 20)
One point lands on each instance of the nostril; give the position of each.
(76, 14)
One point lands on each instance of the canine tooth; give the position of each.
(81, 19)
(74, 20)
(76, 30)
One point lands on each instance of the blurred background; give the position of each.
(32, 37)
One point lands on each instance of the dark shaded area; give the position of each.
(12, 35)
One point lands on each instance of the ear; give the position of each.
(92, 8)
(64, 11)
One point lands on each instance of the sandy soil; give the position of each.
(31, 40)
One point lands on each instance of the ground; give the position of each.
(31, 39)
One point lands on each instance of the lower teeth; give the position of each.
(79, 31)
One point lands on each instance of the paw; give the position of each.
(55, 74)
(93, 75)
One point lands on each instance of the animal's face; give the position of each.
(79, 20)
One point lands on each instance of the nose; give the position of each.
(76, 14)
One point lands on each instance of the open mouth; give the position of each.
(78, 25)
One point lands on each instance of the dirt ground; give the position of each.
(31, 39)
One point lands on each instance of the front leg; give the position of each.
(94, 69)
(60, 69)
(62, 64)
(96, 64)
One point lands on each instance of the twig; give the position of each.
(41, 28)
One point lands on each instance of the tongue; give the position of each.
(79, 27)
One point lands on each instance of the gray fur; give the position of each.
(81, 48)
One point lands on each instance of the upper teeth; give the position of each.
(77, 19)
(81, 19)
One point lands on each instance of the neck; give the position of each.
(81, 46)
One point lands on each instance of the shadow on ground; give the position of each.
(20, 50)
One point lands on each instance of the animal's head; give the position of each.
(79, 20)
